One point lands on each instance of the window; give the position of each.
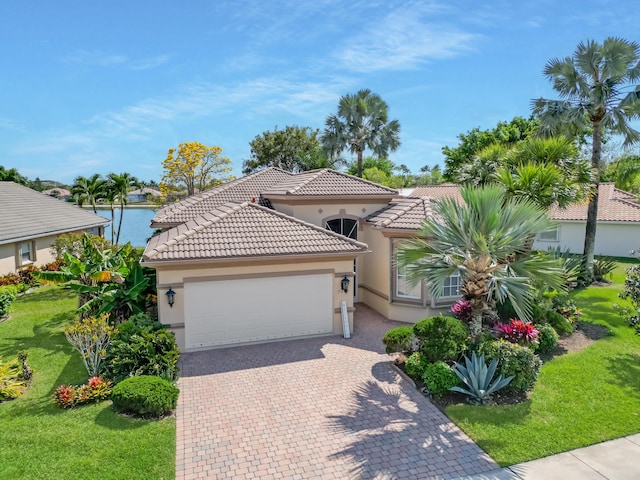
(25, 253)
(549, 236)
(402, 288)
(451, 286)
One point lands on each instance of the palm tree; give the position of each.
(596, 87)
(485, 240)
(361, 123)
(88, 190)
(119, 187)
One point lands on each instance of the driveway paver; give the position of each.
(324, 407)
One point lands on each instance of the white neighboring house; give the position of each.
(618, 230)
(142, 195)
(30, 223)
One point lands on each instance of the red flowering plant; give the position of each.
(95, 390)
(462, 310)
(517, 331)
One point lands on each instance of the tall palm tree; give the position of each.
(89, 190)
(361, 123)
(598, 90)
(119, 187)
(485, 240)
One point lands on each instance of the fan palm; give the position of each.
(485, 240)
(361, 123)
(598, 88)
(89, 190)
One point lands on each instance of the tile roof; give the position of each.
(244, 189)
(327, 183)
(614, 205)
(438, 191)
(27, 214)
(243, 231)
(403, 214)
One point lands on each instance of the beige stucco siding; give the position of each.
(9, 262)
(317, 214)
(615, 239)
(176, 276)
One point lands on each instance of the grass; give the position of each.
(580, 398)
(38, 440)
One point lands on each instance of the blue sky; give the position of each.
(100, 87)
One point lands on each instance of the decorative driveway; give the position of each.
(325, 408)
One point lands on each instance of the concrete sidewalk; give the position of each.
(614, 460)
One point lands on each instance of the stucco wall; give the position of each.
(317, 214)
(615, 239)
(174, 277)
(42, 254)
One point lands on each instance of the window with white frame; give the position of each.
(549, 235)
(402, 287)
(451, 287)
(26, 253)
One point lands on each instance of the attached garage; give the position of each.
(230, 311)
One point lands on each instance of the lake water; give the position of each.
(135, 225)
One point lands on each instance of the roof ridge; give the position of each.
(404, 209)
(317, 173)
(363, 180)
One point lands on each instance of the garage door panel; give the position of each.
(258, 309)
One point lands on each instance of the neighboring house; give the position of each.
(266, 256)
(142, 195)
(618, 230)
(59, 193)
(30, 223)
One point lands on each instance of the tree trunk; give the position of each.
(586, 274)
(475, 326)
(360, 163)
(120, 223)
(112, 222)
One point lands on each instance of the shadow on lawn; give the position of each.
(624, 371)
(398, 432)
(45, 335)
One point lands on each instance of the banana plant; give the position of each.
(478, 378)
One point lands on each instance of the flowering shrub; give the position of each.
(517, 331)
(95, 390)
(462, 310)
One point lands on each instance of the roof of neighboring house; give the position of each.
(28, 214)
(243, 231)
(61, 192)
(327, 183)
(403, 214)
(245, 189)
(144, 191)
(444, 190)
(614, 205)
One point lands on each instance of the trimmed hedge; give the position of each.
(513, 359)
(399, 339)
(145, 396)
(441, 338)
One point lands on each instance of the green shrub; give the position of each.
(142, 347)
(439, 378)
(7, 296)
(506, 311)
(441, 338)
(13, 380)
(415, 365)
(560, 323)
(399, 339)
(514, 360)
(145, 396)
(547, 339)
(91, 337)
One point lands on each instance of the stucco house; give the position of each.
(266, 256)
(30, 223)
(142, 195)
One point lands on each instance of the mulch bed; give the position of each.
(584, 335)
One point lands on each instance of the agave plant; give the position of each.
(478, 378)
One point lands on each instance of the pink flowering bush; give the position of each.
(517, 331)
(462, 310)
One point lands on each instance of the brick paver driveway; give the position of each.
(325, 408)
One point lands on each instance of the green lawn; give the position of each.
(580, 398)
(40, 440)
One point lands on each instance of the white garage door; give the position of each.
(257, 309)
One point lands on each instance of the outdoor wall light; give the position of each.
(345, 284)
(171, 297)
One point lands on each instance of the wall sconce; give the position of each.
(171, 296)
(344, 284)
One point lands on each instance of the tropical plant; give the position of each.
(631, 292)
(485, 240)
(361, 123)
(13, 381)
(462, 311)
(95, 390)
(478, 378)
(517, 331)
(89, 190)
(398, 339)
(7, 297)
(441, 338)
(596, 91)
(119, 186)
(91, 337)
(439, 378)
(122, 300)
(603, 266)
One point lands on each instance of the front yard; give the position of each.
(39, 440)
(580, 398)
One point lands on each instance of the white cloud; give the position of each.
(100, 59)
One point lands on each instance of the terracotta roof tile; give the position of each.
(27, 214)
(327, 183)
(614, 205)
(243, 189)
(445, 190)
(403, 214)
(246, 230)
